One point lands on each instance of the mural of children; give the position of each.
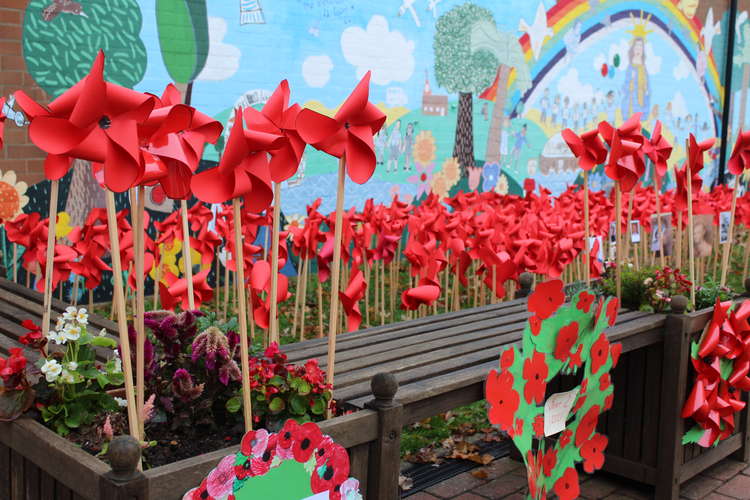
(545, 106)
(576, 117)
(565, 112)
(408, 144)
(521, 139)
(394, 147)
(611, 107)
(556, 111)
(381, 140)
(636, 92)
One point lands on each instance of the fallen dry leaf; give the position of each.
(405, 483)
(480, 473)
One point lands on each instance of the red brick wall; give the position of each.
(19, 154)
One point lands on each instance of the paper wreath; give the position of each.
(558, 339)
(298, 463)
(721, 361)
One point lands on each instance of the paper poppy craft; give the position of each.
(297, 463)
(721, 360)
(559, 339)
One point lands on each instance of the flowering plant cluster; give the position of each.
(191, 374)
(73, 389)
(16, 394)
(663, 285)
(283, 390)
(308, 463)
(558, 339)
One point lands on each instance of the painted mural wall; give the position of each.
(476, 93)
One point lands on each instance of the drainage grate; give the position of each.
(425, 475)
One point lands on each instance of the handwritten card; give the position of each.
(556, 410)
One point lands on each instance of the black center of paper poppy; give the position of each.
(305, 444)
(267, 456)
(328, 474)
(346, 124)
(105, 122)
(204, 494)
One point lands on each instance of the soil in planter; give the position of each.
(172, 446)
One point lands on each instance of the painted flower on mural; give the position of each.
(396, 191)
(12, 195)
(424, 148)
(440, 185)
(451, 171)
(423, 178)
(490, 174)
(502, 185)
(294, 220)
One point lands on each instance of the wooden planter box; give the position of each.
(37, 464)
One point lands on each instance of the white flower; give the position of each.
(118, 365)
(72, 366)
(82, 317)
(60, 323)
(57, 337)
(67, 377)
(103, 332)
(70, 313)
(51, 370)
(122, 402)
(72, 332)
(648, 281)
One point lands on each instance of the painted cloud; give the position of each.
(316, 70)
(387, 53)
(223, 59)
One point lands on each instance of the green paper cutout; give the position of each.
(567, 342)
(288, 481)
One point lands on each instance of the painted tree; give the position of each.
(742, 59)
(59, 46)
(183, 39)
(459, 69)
(506, 49)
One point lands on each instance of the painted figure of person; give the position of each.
(505, 138)
(611, 107)
(636, 93)
(544, 104)
(520, 141)
(381, 140)
(394, 147)
(408, 145)
(556, 115)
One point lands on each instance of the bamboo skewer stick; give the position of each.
(122, 320)
(46, 316)
(186, 255)
(618, 240)
(587, 229)
(247, 411)
(303, 297)
(140, 305)
(691, 243)
(274, 320)
(336, 272)
(730, 234)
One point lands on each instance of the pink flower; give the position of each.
(107, 431)
(147, 412)
(422, 178)
(221, 479)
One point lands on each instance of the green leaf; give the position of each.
(234, 404)
(298, 404)
(319, 406)
(276, 381)
(104, 342)
(727, 365)
(76, 415)
(693, 435)
(276, 405)
(103, 380)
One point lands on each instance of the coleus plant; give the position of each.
(559, 339)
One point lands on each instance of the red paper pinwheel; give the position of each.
(425, 293)
(93, 120)
(2, 120)
(350, 299)
(658, 150)
(349, 133)
(176, 293)
(740, 158)
(588, 148)
(695, 152)
(242, 171)
(278, 118)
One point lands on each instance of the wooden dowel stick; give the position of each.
(691, 243)
(586, 229)
(46, 315)
(728, 244)
(618, 240)
(303, 300)
(273, 319)
(247, 411)
(15, 263)
(122, 320)
(658, 223)
(140, 304)
(187, 258)
(336, 272)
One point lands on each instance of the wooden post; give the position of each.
(187, 258)
(385, 453)
(671, 424)
(123, 481)
(240, 285)
(336, 273)
(122, 319)
(728, 245)
(47, 314)
(273, 316)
